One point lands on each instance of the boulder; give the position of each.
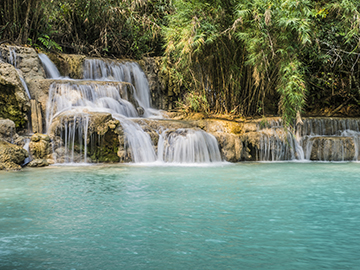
(40, 146)
(38, 163)
(95, 131)
(27, 61)
(7, 130)
(231, 147)
(69, 65)
(12, 156)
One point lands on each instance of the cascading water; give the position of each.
(277, 144)
(188, 146)
(24, 85)
(96, 69)
(330, 139)
(93, 97)
(138, 142)
(50, 69)
(27, 148)
(321, 139)
(74, 133)
(120, 83)
(12, 59)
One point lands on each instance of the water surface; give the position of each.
(244, 216)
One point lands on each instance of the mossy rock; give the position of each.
(14, 103)
(69, 65)
(105, 149)
(11, 155)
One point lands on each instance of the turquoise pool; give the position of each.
(243, 216)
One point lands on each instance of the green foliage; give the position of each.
(247, 55)
(96, 27)
(200, 51)
(108, 27)
(252, 57)
(274, 34)
(21, 20)
(49, 43)
(332, 72)
(194, 102)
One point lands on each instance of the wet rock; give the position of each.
(12, 156)
(36, 116)
(140, 111)
(14, 102)
(102, 137)
(231, 146)
(69, 65)
(162, 96)
(38, 163)
(50, 161)
(40, 146)
(251, 146)
(219, 125)
(27, 61)
(331, 148)
(19, 140)
(11, 166)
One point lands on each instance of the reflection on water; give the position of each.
(246, 216)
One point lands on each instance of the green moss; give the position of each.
(10, 107)
(105, 149)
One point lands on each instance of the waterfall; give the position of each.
(330, 139)
(320, 139)
(327, 126)
(138, 141)
(93, 97)
(96, 69)
(50, 69)
(277, 144)
(188, 146)
(12, 56)
(123, 91)
(74, 135)
(12, 59)
(24, 85)
(27, 148)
